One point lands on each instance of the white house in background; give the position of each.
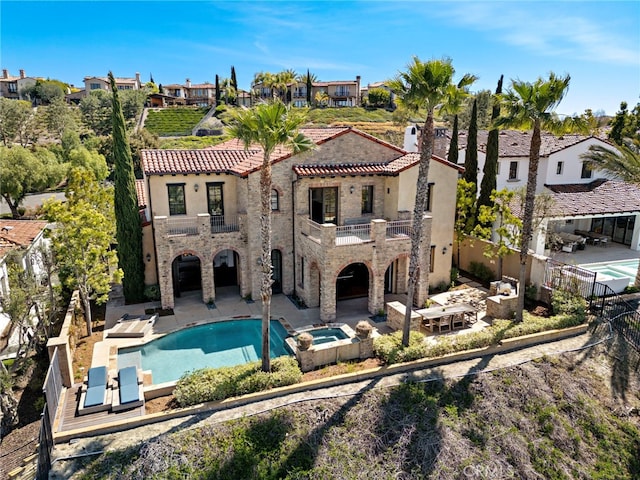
(583, 199)
(24, 237)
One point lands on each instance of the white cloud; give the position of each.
(548, 31)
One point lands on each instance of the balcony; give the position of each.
(203, 224)
(376, 230)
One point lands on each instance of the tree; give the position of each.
(59, 117)
(234, 83)
(378, 97)
(26, 171)
(44, 92)
(271, 125)
(619, 124)
(507, 225)
(471, 154)
(490, 169)
(531, 106)
(455, 98)
(82, 238)
(18, 122)
(483, 100)
(465, 202)
(423, 85)
(218, 95)
(89, 160)
(309, 79)
(128, 224)
(322, 98)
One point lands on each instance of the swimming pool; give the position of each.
(219, 344)
(326, 335)
(622, 269)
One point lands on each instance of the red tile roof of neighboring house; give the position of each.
(141, 193)
(516, 143)
(231, 157)
(18, 233)
(599, 197)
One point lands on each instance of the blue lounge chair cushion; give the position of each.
(129, 393)
(95, 396)
(128, 376)
(97, 377)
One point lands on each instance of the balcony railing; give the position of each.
(352, 234)
(224, 224)
(182, 226)
(399, 229)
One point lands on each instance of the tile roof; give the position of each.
(18, 233)
(516, 143)
(600, 197)
(141, 193)
(231, 157)
(166, 162)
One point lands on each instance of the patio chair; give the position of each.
(96, 393)
(458, 321)
(444, 322)
(129, 388)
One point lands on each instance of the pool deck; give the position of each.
(597, 254)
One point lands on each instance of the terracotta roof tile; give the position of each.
(18, 233)
(141, 193)
(163, 162)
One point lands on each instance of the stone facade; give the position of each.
(313, 253)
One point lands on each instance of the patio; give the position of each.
(597, 254)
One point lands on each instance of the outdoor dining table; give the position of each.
(432, 314)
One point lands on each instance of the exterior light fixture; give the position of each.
(196, 187)
(148, 257)
(444, 250)
(352, 189)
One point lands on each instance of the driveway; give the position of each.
(32, 201)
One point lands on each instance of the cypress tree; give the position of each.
(618, 124)
(128, 224)
(309, 88)
(452, 156)
(490, 170)
(471, 155)
(234, 83)
(217, 90)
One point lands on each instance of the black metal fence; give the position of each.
(603, 301)
(52, 390)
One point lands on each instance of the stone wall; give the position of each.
(396, 312)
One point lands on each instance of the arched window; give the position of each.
(275, 200)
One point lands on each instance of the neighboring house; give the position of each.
(102, 83)
(202, 94)
(341, 93)
(12, 87)
(341, 220)
(364, 91)
(582, 199)
(23, 237)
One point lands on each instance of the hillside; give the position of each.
(174, 121)
(570, 416)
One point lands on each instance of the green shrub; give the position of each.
(389, 347)
(455, 274)
(152, 292)
(568, 303)
(481, 271)
(211, 384)
(631, 289)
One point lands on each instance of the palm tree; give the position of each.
(424, 85)
(531, 106)
(285, 79)
(270, 125)
(623, 163)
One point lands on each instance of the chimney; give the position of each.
(5, 73)
(138, 79)
(441, 143)
(21, 73)
(188, 85)
(411, 139)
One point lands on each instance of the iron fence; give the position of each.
(45, 445)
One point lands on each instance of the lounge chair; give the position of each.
(96, 393)
(130, 392)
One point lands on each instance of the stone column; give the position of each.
(163, 253)
(327, 297)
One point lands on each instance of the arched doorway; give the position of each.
(187, 274)
(276, 272)
(353, 282)
(225, 269)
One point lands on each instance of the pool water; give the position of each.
(219, 344)
(618, 269)
(326, 335)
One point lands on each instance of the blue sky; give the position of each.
(597, 43)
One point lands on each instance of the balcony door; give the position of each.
(323, 205)
(215, 203)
